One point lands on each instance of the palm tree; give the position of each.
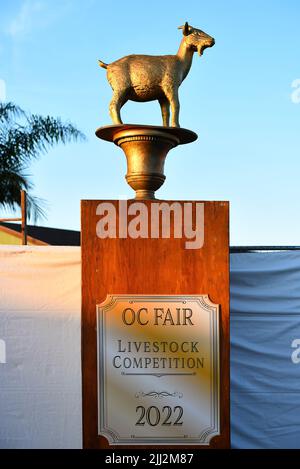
(24, 137)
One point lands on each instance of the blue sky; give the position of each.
(238, 97)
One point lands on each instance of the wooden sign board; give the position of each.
(155, 324)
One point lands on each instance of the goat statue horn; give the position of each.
(186, 29)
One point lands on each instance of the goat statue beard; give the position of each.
(201, 48)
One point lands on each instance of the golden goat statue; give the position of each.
(148, 77)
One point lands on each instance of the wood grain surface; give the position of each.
(152, 266)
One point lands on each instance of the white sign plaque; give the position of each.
(158, 369)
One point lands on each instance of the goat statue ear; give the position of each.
(186, 31)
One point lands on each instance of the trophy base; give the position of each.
(146, 148)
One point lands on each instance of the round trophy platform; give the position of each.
(145, 148)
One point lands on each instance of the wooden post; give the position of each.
(24, 217)
(150, 266)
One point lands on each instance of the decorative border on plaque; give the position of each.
(111, 434)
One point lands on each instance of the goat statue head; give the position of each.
(196, 39)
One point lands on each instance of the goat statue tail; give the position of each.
(102, 64)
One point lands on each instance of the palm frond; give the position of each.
(24, 137)
(36, 208)
(9, 111)
(11, 183)
(24, 143)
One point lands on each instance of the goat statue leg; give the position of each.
(165, 110)
(118, 100)
(172, 96)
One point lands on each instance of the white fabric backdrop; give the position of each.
(40, 383)
(265, 367)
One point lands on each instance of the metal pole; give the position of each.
(24, 217)
(243, 249)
